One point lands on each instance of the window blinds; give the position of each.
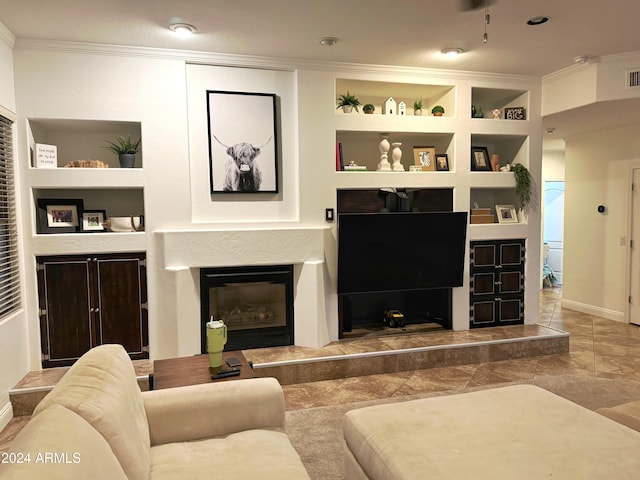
(9, 267)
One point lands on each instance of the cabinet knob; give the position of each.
(95, 259)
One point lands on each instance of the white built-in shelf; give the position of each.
(72, 243)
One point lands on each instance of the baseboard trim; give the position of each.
(6, 414)
(593, 310)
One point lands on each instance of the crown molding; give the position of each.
(6, 36)
(251, 61)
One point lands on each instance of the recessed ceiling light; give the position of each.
(182, 29)
(550, 130)
(328, 41)
(538, 20)
(452, 52)
(581, 59)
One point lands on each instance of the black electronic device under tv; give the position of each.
(382, 252)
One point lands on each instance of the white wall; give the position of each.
(13, 335)
(597, 173)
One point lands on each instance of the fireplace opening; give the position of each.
(256, 304)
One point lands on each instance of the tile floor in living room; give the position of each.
(598, 348)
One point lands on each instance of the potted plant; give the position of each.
(523, 184)
(348, 102)
(126, 150)
(417, 107)
(368, 108)
(437, 111)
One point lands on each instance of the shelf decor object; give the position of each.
(480, 159)
(383, 146)
(126, 150)
(425, 157)
(46, 156)
(57, 215)
(93, 220)
(506, 214)
(243, 142)
(348, 102)
(396, 155)
(523, 184)
(442, 162)
(515, 113)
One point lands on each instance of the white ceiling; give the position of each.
(381, 32)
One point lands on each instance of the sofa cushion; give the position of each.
(261, 454)
(101, 387)
(61, 446)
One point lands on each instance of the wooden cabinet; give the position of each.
(497, 283)
(89, 300)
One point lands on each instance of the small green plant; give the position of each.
(437, 110)
(124, 145)
(368, 108)
(347, 99)
(523, 184)
(417, 105)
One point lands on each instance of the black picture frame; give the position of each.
(93, 221)
(60, 215)
(480, 161)
(242, 130)
(442, 162)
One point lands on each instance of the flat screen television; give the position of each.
(382, 252)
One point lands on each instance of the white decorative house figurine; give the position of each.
(396, 155)
(389, 107)
(402, 108)
(383, 146)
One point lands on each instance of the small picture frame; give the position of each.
(442, 162)
(425, 157)
(58, 215)
(480, 159)
(506, 214)
(93, 220)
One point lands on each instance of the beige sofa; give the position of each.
(97, 424)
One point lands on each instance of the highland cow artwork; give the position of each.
(243, 147)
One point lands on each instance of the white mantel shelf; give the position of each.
(242, 246)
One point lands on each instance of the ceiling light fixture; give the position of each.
(452, 52)
(581, 59)
(182, 29)
(328, 41)
(487, 21)
(550, 130)
(535, 21)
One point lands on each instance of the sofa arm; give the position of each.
(213, 409)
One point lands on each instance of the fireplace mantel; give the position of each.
(182, 253)
(242, 246)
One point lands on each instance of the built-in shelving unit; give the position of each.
(358, 135)
(114, 190)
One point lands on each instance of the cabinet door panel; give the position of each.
(120, 296)
(510, 282)
(65, 299)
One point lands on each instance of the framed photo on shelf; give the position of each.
(442, 162)
(243, 142)
(425, 157)
(506, 214)
(57, 215)
(93, 220)
(480, 159)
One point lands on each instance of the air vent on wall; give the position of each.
(633, 78)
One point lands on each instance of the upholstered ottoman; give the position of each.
(516, 432)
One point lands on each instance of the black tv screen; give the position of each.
(381, 252)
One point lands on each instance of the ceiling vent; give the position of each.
(633, 79)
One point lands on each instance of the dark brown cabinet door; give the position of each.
(92, 300)
(497, 283)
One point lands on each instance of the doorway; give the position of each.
(553, 236)
(634, 267)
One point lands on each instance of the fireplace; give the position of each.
(256, 304)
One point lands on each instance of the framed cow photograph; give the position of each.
(243, 142)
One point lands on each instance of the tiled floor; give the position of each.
(598, 347)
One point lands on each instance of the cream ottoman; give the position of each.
(516, 432)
